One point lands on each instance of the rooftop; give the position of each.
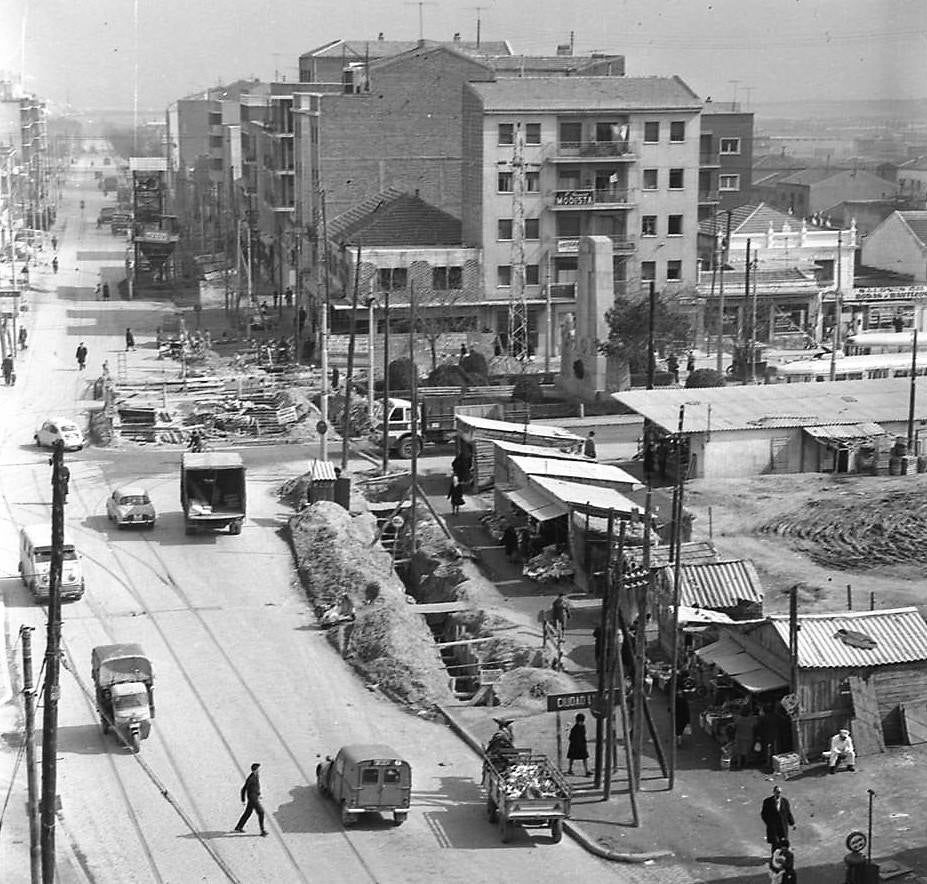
(559, 64)
(917, 224)
(828, 640)
(776, 405)
(579, 495)
(358, 50)
(718, 585)
(395, 219)
(553, 94)
(749, 220)
(573, 469)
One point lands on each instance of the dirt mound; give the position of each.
(389, 642)
(527, 688)
(859, 528)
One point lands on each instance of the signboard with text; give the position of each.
(575, 700)
(574, 198)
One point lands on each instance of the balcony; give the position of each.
(564, 291)
(596, 151)
(707, 196)
(708, 159)
(621, 244)
(590, 198)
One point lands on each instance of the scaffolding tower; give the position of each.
(518, 306)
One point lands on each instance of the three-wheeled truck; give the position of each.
(525, 789)
(365, 777)
(212, 491)
(124, 682)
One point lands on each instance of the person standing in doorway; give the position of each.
(577, 745)
(776, 813)
(251, 798)
(81, 355)
(130, 340)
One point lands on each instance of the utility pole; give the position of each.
(371, 337)
(749, 340)
(725, 245)
(676, 540)
(640, 651)
(35, 854)
(912, 396)
(604, 645)
(349, 377)
(414, 397)
(838, 310)
(753, 316)
(323, 442)
(52, 671)
(518, 307)
(386, 382)
(651, 356)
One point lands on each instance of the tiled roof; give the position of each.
(718, 585)
(917, 223)
(810, 176)
(540, 64)
(585, 93)
(900, 636)
(780, 405)
(394, 218)
(355, 50)
(749, 219)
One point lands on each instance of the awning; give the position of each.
(534, 504)
(734, 661)
(844, 432)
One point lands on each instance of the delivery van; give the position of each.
(35, 552)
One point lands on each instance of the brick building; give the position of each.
(725, 157)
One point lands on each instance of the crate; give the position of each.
(788, 764)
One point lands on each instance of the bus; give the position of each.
(866, 343)
(849, 368)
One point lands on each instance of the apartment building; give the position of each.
(23, 130)
(574, 156)
(725, 157)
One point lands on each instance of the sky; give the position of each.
(91, 53)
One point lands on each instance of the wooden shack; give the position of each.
(864, 670)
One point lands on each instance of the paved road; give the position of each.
(242, 672)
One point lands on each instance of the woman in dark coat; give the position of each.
(455, 495)
(510, 542)
(577, 749)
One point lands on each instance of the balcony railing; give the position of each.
(593, 149)
(580, 198)
(563, 290)
(708, 196)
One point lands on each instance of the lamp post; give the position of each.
(371, 336)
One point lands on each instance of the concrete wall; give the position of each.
(891, 246)
(736, 453)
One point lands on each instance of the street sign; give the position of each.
(857, 841)
(321, 428)
(575, 700)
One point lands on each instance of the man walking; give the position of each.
(81, 355)
(251, 797)
(777, 814)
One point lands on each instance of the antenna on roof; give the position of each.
(420, 4)
(478, 10)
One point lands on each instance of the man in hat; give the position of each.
(841, 749)
(777, 814)
(501, 743)
(251, 797)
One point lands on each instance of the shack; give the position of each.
(731, 432)
(475, 437)
(732, 589)
(866, 671)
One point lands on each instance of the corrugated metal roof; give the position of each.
(536, 450)
(717, 585)
(538, 431)
(533, 503)
(573, 469)
(691, 552)
(847, 432)
(581, 495)
(322, 471)
(780, 405)
(900, 635)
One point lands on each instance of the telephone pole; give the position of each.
(35, 856)
(518, 307)
(52, 672)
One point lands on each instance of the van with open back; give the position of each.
(35, 552)
(212, 491)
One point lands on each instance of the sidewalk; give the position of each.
(710, 823)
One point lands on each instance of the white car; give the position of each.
(62, 428)
(130, 505)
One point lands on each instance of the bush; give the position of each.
(448, 376)
(476, 367)
(704, 377)
(400, 374)
(528, 389)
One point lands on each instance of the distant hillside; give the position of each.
(914, 110)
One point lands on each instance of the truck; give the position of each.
(437, 423)
(124, 682)
(526, 789)
(212, 491)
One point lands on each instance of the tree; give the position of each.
(400, 374)
(628, 323)
(704, 377)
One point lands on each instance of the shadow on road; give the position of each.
(307, 811)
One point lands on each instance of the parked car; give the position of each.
(366, 777)
(130, 505)
(62, 428)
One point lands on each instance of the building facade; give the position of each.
(899, 244)
(725, 157)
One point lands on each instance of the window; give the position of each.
(729, 182)
(444, 278)
(648, 270)
(532, 133)
(532, 228)
(505, 182)
(370, 776)
(392, 278)
(506, 133)
(533, 182)
(532, 274)
(650, 179)
(504, 274)
(391, 776)
(571, 133)
(730, 146)
(673, 271)
(674, 225)
(505, 228)
(648, 225)
(455, 277)
(677, 131)
(676, 178)
(567, 225)
(651, 132)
